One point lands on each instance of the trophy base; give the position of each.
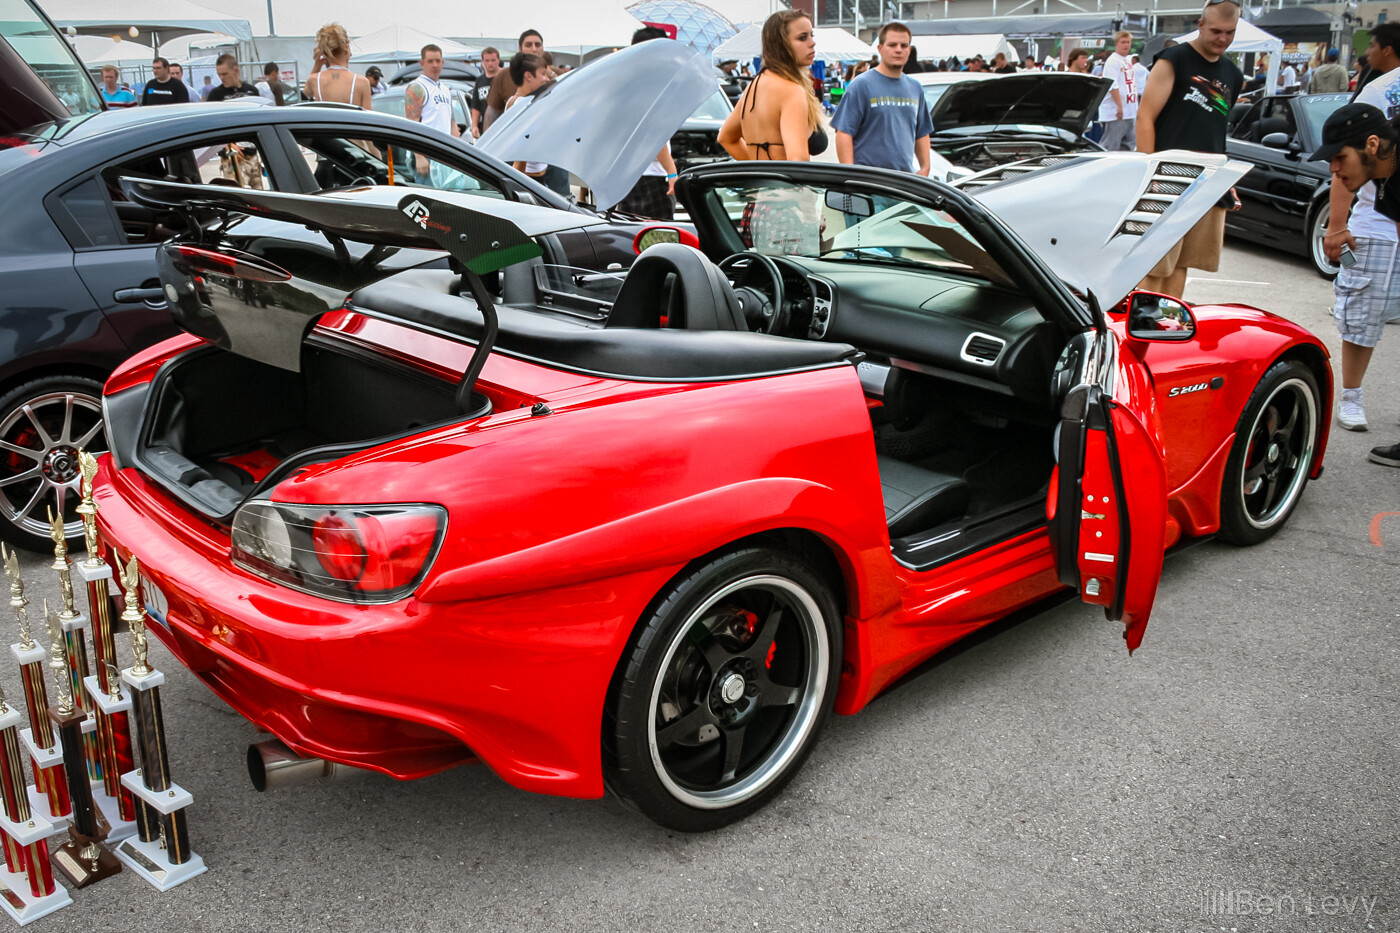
(68, 859)
(21, 904)
(148, 860)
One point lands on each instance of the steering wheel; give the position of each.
(768, 310)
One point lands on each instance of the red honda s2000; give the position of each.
(643, 531)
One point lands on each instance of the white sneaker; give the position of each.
(1350, 414)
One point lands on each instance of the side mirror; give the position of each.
(1276, 140)
(653, 235)
(855, 205)
(1159, 317)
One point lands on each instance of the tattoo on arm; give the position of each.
(413, 103)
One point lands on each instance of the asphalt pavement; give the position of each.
(1239, 772)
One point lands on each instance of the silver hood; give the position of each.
(606, 122)
(1102, 220)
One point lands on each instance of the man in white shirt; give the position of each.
(1139, 79)
(1118, 112)
(1288, 79)
(1367, 294)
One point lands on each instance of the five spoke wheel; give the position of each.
(726, 689)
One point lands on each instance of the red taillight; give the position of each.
(195, 259)
(370, 553)
(339, 548)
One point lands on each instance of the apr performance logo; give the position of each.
(417, 212)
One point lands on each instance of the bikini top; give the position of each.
(353, 76)
(816, 143)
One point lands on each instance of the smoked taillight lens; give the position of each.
(360, 554)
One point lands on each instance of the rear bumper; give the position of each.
(408, 688)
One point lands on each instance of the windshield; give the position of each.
(48, 55)
(780, 218)
(1318, 107)
(715, 107)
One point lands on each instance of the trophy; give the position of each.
(83, 858)
(74, 624)
(27, 889)
(50, 795)
(113, 719)
(161, 852)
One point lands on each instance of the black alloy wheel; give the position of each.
(43, 425)
(723, 690)
(1275, 442)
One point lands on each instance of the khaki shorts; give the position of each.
(1199, 249)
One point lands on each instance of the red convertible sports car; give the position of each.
(644, 531)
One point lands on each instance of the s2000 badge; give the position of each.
(1183, 390)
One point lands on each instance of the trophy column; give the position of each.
(74, 625)
(113, 724)
(27, 889)
(83, 858)
(164, 860)
(50, 794)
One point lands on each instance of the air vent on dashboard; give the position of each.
(982, 349)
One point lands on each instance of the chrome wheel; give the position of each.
(742, 686)
(1325, 267)
(40, 436)
(1281, 443)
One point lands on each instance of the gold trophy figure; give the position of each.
(88, 510)
(134, 617)
(51, 791)
(18, 602)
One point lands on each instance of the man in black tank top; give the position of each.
(1188, 96)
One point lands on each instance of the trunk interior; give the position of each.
(219, 425)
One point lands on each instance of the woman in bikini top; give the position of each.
(337, 82)
(788, 118)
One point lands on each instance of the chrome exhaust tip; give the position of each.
(272, 764)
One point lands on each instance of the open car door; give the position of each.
(1108, 493)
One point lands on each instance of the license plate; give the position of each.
(156, 603)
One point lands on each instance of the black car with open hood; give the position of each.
(980, 124)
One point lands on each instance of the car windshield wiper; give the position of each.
(865, 254)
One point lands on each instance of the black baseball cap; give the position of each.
(1349, 125)
(373, 72)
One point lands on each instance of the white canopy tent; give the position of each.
(833, 45)
(988, 44)
(1250, 38)
(100, 50)
(403, 44)
(155, 21)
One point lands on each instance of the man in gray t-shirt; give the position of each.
(883, 118)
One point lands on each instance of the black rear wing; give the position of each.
(479, 241)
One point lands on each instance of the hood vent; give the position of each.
(1011, 170)
(1161, 193)
(982, 349)
(1178, 170)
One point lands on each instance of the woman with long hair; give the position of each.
(779, 117)
(331, 77)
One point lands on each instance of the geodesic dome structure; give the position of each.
(697, 25)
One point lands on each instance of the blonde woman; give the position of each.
(331, 78)
(779, 117)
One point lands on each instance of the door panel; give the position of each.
(1108, 495)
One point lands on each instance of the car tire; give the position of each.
(723, 689)
(43, 423)
(1275, 442)
(1317, 225)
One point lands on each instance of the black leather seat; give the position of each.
(1269, 126)
(917, 499)
(678, 282)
